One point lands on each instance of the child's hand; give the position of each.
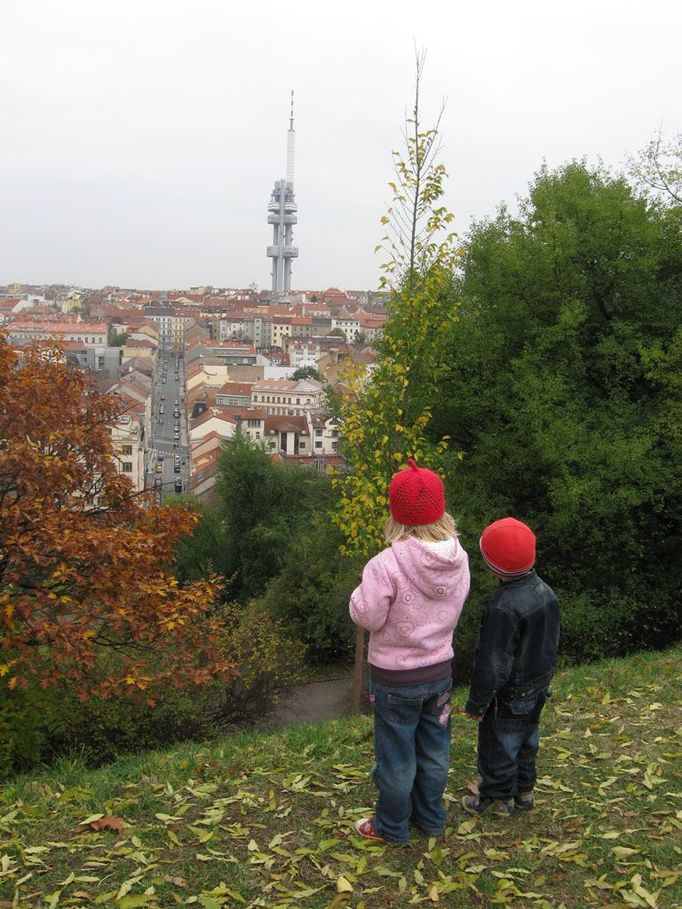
(471, 716)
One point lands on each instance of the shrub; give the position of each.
(310, 595)
(23, 727)
(266, 661)
(38, 726)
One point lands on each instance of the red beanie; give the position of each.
(416, 496)
(508, 547)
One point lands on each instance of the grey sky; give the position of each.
(141, 138)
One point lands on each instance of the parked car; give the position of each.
(159, 468)
(176, 469)
(178, 486)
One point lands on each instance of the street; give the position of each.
(167, 441)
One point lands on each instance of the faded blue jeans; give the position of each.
(508, 740)
(412, 754)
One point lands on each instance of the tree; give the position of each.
(561, 394)
(337, 333)
(119, 340)
(383, 416)
(658, 168)
(306, 372)
(263, 506)
(86, 596)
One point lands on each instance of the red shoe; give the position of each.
(365, 827)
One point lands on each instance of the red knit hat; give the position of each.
(508, 547)
(416, 496)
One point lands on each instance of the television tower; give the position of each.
(282, 215)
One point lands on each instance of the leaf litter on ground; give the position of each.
(268, 820)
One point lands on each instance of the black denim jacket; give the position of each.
(517, 644)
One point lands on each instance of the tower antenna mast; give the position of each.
(282, 215)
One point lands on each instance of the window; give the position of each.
(298, 400)
(127, 450)
(318, 432)
(318, 444)
(127, 467)
(335, 446)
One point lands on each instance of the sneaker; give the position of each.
(524, 801)
(365, 827)
(474, 804)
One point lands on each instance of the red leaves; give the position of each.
(105, 822)
(78, 583)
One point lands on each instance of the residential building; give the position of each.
(127, 439)
(284, 396)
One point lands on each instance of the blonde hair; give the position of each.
(442, 529)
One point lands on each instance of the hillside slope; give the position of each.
(267, 820)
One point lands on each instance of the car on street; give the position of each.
(159, 468)
(176, 413)
(176, 436)
(178, 486)
(176, 469)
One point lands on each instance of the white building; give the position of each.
(127, 440)
(283, 396)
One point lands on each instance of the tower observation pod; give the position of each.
(282, 215)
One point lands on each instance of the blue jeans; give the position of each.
(508, 739)
(412, 753)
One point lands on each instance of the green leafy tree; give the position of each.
(306, 372)
(263, 506)
(562, 391)
(384, 415)
(119, 340)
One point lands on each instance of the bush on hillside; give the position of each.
(311, 593)
(38, 726)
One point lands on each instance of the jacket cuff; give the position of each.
(475, 709)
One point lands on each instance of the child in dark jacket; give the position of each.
(514, 663)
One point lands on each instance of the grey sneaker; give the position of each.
(474, 804)
(524, 801)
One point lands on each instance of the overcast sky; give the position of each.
(141, 138)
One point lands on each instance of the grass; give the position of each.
(267, 819)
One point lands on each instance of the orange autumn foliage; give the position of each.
(87, 596)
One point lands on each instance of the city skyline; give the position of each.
(142, 140)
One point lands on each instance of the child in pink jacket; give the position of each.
(410, 600)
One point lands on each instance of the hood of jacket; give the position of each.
(434, 570)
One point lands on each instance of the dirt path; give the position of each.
(312, 702)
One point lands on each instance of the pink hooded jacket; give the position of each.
(410, 599)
